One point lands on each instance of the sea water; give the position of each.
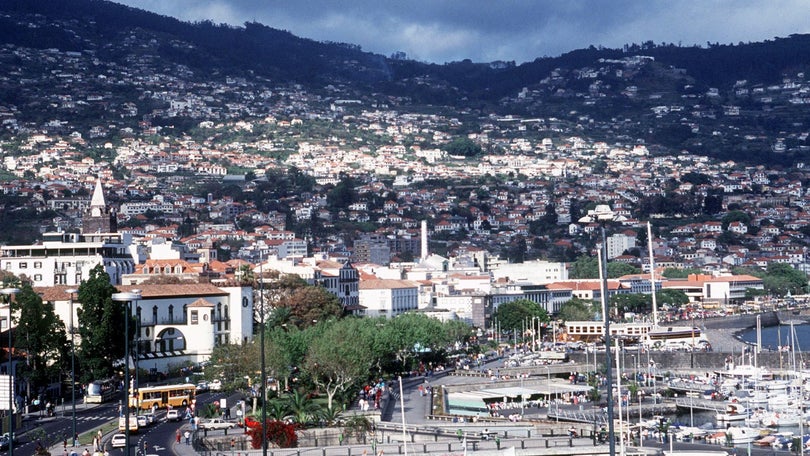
(775, 336)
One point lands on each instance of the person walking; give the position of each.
(178, 436)
(187, 435)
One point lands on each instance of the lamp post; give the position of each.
(8, 292)
(603, 214)
(126, 297)
(71, 291)
(263, 367)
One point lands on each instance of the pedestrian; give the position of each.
(187, 435)
(75, 440)
(178, 436)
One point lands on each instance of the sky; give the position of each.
(441, 31)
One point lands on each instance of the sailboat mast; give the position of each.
(793, 343)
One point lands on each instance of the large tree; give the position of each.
(577, 309)
(780, 279)
(41, 335)
(513, 315)
(584, 267)
(101, 327)
(234, 364)
(311, 304)
(338, 356)
(409, 334)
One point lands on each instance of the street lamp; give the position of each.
(603, 214)
(8, 292)
(263, 368)
(71, 291)
(126, 297)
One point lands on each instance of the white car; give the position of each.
(173, 415)
(119, 441)
(143, 421)
(217, 423)
(215, 385)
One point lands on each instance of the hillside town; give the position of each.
(177, 166)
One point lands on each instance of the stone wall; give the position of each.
(701, 362)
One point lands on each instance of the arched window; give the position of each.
(154, 315)
(171, 313)
(226, 312)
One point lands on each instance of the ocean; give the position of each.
(775, 336)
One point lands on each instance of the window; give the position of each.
(37, 265)
(23, 265)
(171, 314)
(154, 315)
(37, 277)
(194, 317)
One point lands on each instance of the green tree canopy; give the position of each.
(311, 304)
(585, 267)
(735, 216)
(338, 356)
(343, 195)
(618, 269)
(513, 315)
(671, 297)
(631, 302)
(409, 334)
(42, 336)
(577, 309)
(781, 279)
(101, 326)
(464, 147)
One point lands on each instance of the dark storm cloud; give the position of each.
(487, 30)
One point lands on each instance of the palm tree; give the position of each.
(331, 415)
(278, 410)
(301, 407)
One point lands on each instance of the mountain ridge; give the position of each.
(711, 101)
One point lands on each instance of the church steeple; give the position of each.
(97, 204)
(98, 218)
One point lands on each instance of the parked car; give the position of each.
(173, 415)
(4, 443)
(217, 423)
(215, 385)
(119, 441)
(202, 387)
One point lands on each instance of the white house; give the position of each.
(388, 297)
(179, 324)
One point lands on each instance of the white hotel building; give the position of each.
(178, 324)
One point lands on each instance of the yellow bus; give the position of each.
(154, 397)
